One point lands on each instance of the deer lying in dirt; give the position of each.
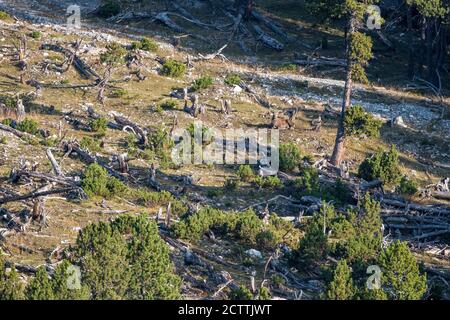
(286, 121)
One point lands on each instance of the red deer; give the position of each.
(284, 122)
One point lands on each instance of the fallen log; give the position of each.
(82, 67)
(441, 195)
(212, 56)
(94, 115)
(137, 130)
(271, 25)
(130, 15)
(165, 19)
(430, 234)
(321, 62)
(55, 165)
(33, 195)
(267, 40)
(85, 156)
(66, 181)
(15, 132)
(415, 207)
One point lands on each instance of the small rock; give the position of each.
(237, 90)
(254, 253)
(398, 121)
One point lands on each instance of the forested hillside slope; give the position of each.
(94, 205)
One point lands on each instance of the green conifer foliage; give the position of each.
(401, 277)
(126, 259)
(40, 287)
(10, 286)
(341, 287)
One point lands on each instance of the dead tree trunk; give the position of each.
(123, 164)
(138, 131)
(39, 210)
(20, 110)
(226, 106)
(22, 53)
(103, 84)
(54, 163)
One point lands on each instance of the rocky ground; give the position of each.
(422, 140)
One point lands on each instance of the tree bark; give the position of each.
(339, 146)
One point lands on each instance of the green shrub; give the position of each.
(173, 68)
(196, 225)
(248, 226)
(290, 157)
(241, 293)
(270, 182)
(91, 144)
(207, 134)
(289, 67)
(266, 240)
(407, 186)
(9, 102)
(233, 79)
(109, 8)
(97, 182)
(231, 184)
(145, 44)
(277, 281)
(118, 93)
(358, 122)
(28, 125)
(11, 287)
(382, 165)
(308, 181)
(35, 35)
(114, 54)
(163, 198)
(99, 125)
(3, 140)
(360, 248)
(202, 83)
(338, 191)
(312, 248)
(8, 122)
(264, 294)
(161, 145)
(158, 108)
(4, 16)
(169, 105)
(245, 173)
(212, 193)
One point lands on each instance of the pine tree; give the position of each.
(341, 287)
(39, 288)
(101, 253)
(152, 275)
(312, 247)
(370, 223)
(126, 259)
(359, 52)
(401, 278)
(372, 294)
(60, 288)
(10, 286)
